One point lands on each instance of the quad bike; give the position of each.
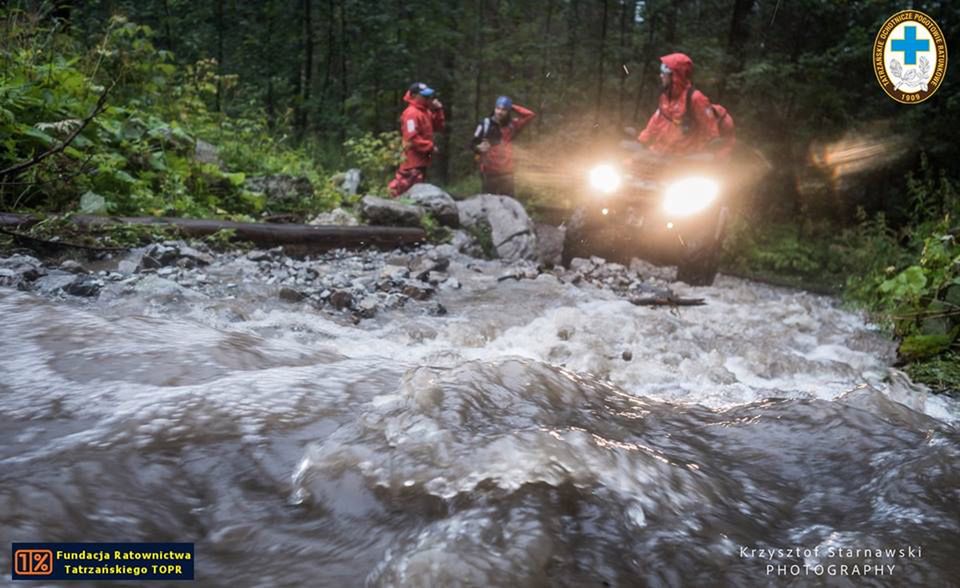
(667, 210)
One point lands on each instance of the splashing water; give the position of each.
(508, 442)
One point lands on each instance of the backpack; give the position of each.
(725, 124)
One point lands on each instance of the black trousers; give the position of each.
(497, 184)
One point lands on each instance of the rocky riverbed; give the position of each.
(426, 417)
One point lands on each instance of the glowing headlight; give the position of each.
(604, 178)
(690, 196)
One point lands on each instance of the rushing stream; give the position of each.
(537, 433)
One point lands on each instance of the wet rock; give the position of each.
(437, 202)
(204, 152)
(394, 300)
(341, 299)
(291, 295)
(8, 277)
(394, 273)
(54, 281)
(195, 255)
(337, 216)
(465, 243)
(157, 256)
(436, 309)
(20, 269)
(73, 267)
(581, 265)
(451, 284)
(259, 255)
(127, 266)
(627, 355)
(511, 230)
(348, 182)
(380, 211)
(367, 308)
(417, 291)
(281, 189)
(433, 278)
(549, 244)
(440, 263)
(84, 286)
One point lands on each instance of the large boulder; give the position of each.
(380, 211)
(511, 230)
(280, 189)
(350, 182)
(437, 202)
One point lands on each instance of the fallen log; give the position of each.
(305, 238)
(667, 301)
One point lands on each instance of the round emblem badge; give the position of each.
(910, 57)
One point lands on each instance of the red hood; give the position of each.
(413, 101)
(682, 68)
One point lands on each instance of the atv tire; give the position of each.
(574, 239)
(702, 262)
(701, 266)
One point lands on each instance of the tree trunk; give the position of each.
(308, 237)
(647, 58)
(544, 67)
(736, 42)
(601, 62)
(478, 95)
(306, 71)
(219, 55)
(343, 71)
(627, 15)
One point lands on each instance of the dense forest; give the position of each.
(850, 188)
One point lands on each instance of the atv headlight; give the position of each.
(690, 196)
(605, 178)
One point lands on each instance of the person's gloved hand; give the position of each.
(484, 146)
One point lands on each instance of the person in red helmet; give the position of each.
(685, 123)
(492, 144)
(420, 120)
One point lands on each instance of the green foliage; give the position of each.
(136, 157)
(483, 234)
(908, 278)
(377, 156)
(941, 372)
(436, 233)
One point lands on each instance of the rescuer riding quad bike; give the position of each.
(669, 210)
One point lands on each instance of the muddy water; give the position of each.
(509, 442)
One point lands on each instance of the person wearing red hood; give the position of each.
(419, 121)
(672, 130)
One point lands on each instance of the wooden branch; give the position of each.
(61, 244)
(668, 300)
(97, 109)
(306, 237)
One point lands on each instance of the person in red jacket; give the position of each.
(419, 121)
(492, 143)
(673, 130)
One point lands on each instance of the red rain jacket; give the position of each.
(499, 158)
(417, 125)
(664, 132)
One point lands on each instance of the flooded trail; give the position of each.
(538, 431)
